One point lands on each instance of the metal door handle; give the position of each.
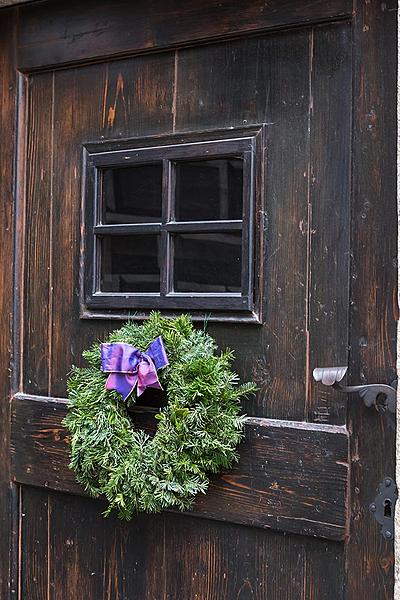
(383, 397)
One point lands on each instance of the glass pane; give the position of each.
(209, 190)
(130, 263)
(208, 262)
(132, 194)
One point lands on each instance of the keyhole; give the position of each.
(387, 508)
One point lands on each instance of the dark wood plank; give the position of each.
(72, 89)
(101, 28)
(282, 461)
(83, 98)
(323, 571)
(8, 87)
(107, 558)
(166, 556)
(329, 217)
(224, 561)
(264, 80)
(139, 96)
(35, 551)
(373, 290)
(291, 476)
(280, 367)
(37, 241)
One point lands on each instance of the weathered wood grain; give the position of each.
(374, 309)
(107, 29)
(252, 81)
(8, 85)
(328, 228)
(71, 89)
(37, 307)
(170, 556)
(34, 543)
(280, 366)
(107, 558)
(93, 103)
(291, 476)
(225, 562)
(264, 80)
(139, 96)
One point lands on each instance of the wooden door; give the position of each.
(307, 89)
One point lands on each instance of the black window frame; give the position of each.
(246, 144)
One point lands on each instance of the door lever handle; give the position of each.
(383, 397)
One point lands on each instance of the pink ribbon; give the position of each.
(128, 366)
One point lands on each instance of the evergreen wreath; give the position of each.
(197, 433)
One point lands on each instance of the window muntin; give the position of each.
(155, 239)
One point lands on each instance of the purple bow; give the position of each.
(129, 366)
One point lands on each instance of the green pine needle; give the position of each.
(198, 431)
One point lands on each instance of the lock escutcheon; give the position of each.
(383, 507)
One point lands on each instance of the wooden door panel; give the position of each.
(84, 104)
(276, 91)
(292, 476)
(108, 101)
(163, 556)
(101, 558)
(329, 219)
(291, 519)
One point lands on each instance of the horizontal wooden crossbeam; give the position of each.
(291, 476)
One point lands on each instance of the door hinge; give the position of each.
(383, 507)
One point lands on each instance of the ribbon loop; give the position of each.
(128, 366)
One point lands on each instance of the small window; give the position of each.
(170, 226)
